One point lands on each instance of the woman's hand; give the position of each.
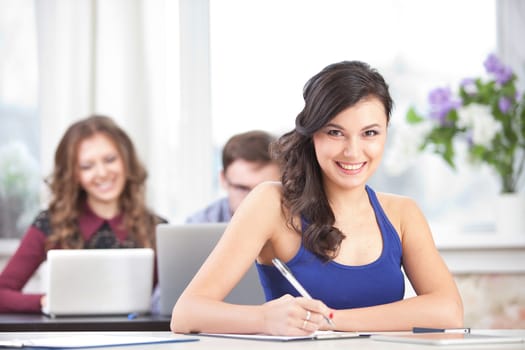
(295, 316)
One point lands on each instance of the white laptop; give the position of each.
(98, 281)
(181, 250)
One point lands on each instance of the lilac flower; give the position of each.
(494, 139)
(501, 72)
(492, 64)
(504, 75)
(504, 104)
(441, 103)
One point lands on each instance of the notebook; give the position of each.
(77, 341)
(446, 338)
(181, 250)
(318, 335)
(82, 282)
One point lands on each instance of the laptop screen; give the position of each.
(99, 281)
(182, 249)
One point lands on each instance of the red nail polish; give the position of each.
(331, 315)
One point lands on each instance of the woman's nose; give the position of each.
(351, 147)
(101, 170)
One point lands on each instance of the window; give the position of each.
(262, 56)
(19, 131)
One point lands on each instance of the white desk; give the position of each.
(213, 343)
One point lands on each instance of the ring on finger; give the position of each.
(308, 315)
(304, 324)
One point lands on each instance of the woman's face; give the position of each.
(349, 148)
(100, 171)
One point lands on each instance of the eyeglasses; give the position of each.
(238, 187)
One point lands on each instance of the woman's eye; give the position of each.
(110, 159)
(371, 132)
(85, 166)
(335, 133)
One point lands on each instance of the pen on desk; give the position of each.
(440, 330)
(285, 271)
(133, 315)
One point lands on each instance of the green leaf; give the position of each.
(452, 116)
(448, 155)
(412, 117)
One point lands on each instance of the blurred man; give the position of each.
(246, 162)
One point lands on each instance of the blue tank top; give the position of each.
(342, 286)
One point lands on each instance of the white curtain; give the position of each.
(65, 64)
(122, 58)
(511, 27)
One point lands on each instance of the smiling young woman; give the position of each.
(98, 201)
(345, 243)
(349, 148)
(101, 174)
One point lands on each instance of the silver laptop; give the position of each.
(443, 338)
(98, 281)
(181, 250)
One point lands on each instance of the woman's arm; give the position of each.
(18, 271)
(200, 308)
(437, 304)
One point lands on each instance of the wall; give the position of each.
(489, 269)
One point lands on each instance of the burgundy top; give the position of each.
(96, 232)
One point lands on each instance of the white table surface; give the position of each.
(210, 343)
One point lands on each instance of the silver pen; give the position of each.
(285, 271)
(440, 330)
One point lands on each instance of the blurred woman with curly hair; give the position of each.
(97, 201)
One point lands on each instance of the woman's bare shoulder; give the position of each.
(268, 190)
(393, 200)
(399, 209)
(264, 199)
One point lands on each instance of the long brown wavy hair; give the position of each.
(68, 197)
(329, 92)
